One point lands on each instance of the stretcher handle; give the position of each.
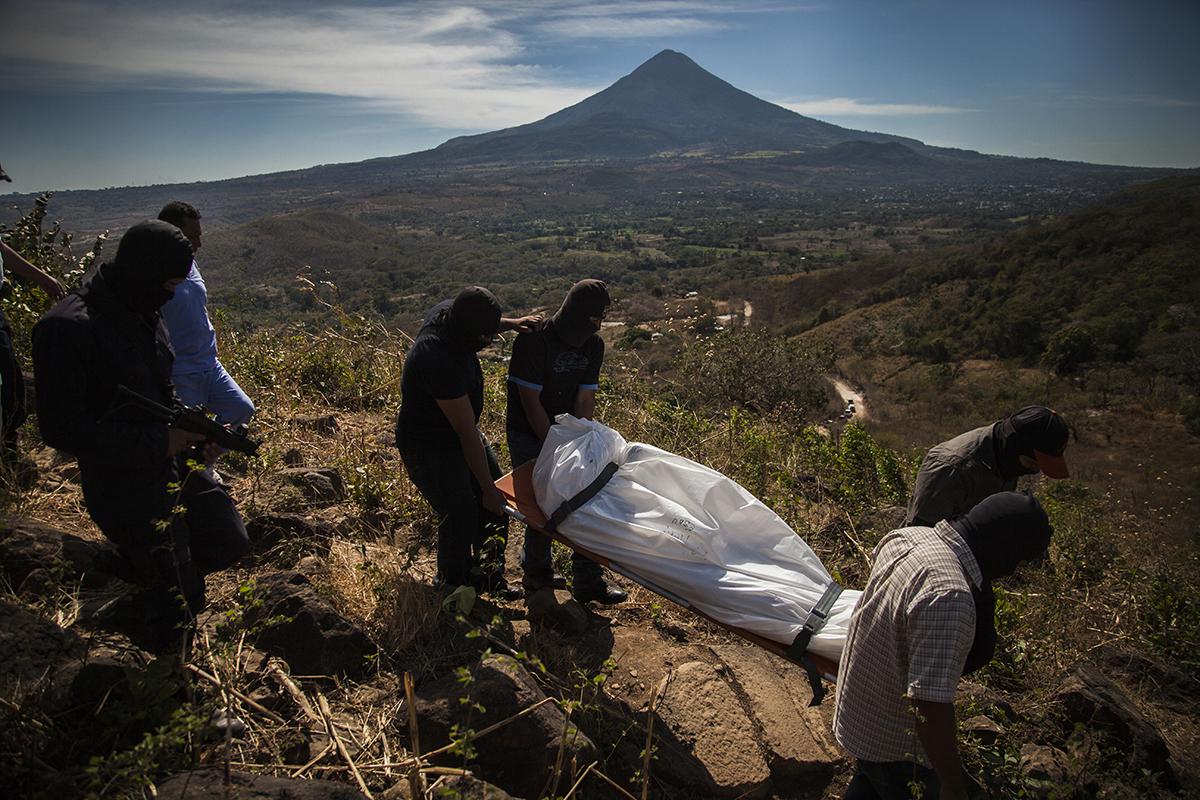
(515, 514)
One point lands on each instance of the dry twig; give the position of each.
(327, 716)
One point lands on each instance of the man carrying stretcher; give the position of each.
(555, 369)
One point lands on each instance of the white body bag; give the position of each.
(690, 531)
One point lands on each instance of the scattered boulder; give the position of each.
(520, 758)
(320, 485)
(267, 531)
(210, 782)
(557, 610)
(702, 711)
(99, 675)
(983, 729)
(1088, 698)
(35, 557)
(304, 629)
(1161, 683)
(324, 423)
(34, 648)
(292, 457)
(775, 694)
(1044, 768)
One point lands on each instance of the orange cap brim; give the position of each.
(1051, 466)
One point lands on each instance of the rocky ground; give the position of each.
(328, 667)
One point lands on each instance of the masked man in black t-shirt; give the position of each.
(437, 432)
(556, 370)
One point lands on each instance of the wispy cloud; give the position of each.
(848, 107)
(1150, 101)
(444, 65)
(628, 27)
(454, 67)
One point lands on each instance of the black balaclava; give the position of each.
(586, 299)
(150, 254)
(1003, 531)
(473, 318)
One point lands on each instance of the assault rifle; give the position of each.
(193, 419)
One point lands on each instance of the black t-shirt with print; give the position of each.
(543, 361)
(435, 369)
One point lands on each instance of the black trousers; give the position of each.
(12, 389)
(539, 571)
(471, 539)
(891, 780)
(171, 556)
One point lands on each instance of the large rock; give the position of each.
(557, 610)
(1043, 764)
(210, 783)
(34, 648)
(1088, 698)
(775, 693)
(303, 628)
(320, 485)
(520, 757)
(1160, 683)
(36, 557)
(705, 715)
(267, 531)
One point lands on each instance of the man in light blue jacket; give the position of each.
(198, 375)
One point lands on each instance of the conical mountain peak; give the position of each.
(669, 104)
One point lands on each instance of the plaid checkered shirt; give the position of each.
(908, 640)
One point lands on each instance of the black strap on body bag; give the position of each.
(799, 647)
(575, 503)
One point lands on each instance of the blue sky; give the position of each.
(122, 92)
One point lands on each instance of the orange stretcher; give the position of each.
(517, 487)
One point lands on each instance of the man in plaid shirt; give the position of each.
(926, 618)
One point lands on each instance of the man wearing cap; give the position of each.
(926, 617)
(956, 475)
(134, 471)
(555, 369)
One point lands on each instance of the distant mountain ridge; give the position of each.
(668, 126)
(668, 105)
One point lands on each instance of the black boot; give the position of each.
(599, 591)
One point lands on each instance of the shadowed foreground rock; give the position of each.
(520, 757)
(557, 610)
(210, 783)
(267, 531)
(1088, 698)
(35, 557)
(304, 629)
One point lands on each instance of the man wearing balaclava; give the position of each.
(106, 334)
(926, 618)
(437, 433)
(957, 474)
(556, 370)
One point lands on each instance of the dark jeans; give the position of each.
(171, 561)
(12, 389)
(471, 539)
(539, 571)
(892, 780)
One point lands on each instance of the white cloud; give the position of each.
(848, 107)
(452, 67)
(632, 27)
